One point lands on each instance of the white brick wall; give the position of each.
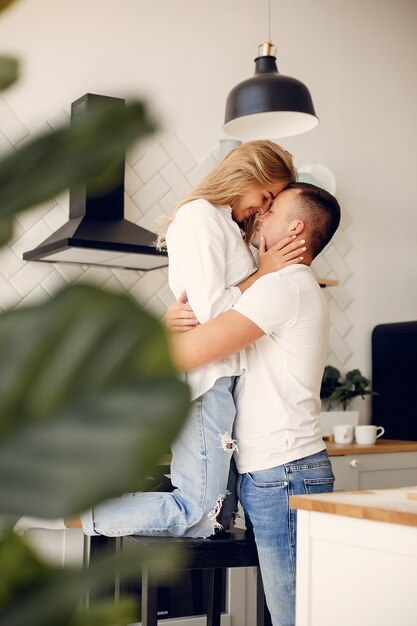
(157, 175)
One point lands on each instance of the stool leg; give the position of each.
(198, 591)
(263, 616)
(149, 600)
(215, 597)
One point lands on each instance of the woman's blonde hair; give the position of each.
(255, 162)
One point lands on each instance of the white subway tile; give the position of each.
(28, 218)
(155, 307)
(175, 180)
(167, 202)
(69, 271)
(341, 296)
(9, 262)
(30, 276)
(18, 231)
(339, 346)
(56, 217)
(148, 285)
(150, 193)
(38, 295)
(132, 212)
(321, 267)
(53, 283)
(58, 119)
(341, 241)
(114, 285)
(338, 264)
(165, 295)
(345, 219)
(32, 238)
(132, 182)
(339, 319)
(11, 125)
(178, 152)
(196, 175)
(128, 278)
(151, 218)
(94, 276)
(38, 131)
(135, 152)
(151, 163)
(9, 297)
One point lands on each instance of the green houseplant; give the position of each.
(336, 394)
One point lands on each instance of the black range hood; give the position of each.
(97, 232)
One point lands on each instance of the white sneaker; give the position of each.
(25, 523)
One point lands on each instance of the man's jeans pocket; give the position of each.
(267, 482)
(318, 485)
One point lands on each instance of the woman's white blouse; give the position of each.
(207, 258)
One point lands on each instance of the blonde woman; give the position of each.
(210, 260)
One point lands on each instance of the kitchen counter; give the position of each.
(381, 446)
(396, 506)
(357, 558)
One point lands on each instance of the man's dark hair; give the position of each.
(323, 213)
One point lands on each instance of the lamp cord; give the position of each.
(268, 19)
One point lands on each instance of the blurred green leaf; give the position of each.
(9, 67)
(5, 3)
(88, 150)
(6, 229)
(89, 402)
(32, 593)
(107, 613)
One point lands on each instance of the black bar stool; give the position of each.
(215, 554)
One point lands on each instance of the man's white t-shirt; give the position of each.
(278, 397)
(207, 258)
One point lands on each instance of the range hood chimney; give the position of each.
(97, 232)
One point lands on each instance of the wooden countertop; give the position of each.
(381, 446)
(335, 449)
(396, 506)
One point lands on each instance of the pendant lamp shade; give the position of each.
(269, 105)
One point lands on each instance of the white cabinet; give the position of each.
(375, 471)
(355, 572)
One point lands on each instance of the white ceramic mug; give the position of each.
(367, 435)
(343, 433)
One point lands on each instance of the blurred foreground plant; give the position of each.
(89, 398)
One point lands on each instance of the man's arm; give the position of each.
(214, 340)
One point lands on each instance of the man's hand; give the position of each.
(179, 317)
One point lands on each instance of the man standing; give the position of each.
(280, 447)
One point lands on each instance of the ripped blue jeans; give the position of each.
(201, 457)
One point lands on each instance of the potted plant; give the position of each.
(337, 393)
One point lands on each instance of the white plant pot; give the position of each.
(328, 419)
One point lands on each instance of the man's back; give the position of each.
(278, 398)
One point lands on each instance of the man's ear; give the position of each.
(296, 227)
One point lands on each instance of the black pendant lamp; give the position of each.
(269, 105)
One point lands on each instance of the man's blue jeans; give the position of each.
(200, 465)
(265, 499)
